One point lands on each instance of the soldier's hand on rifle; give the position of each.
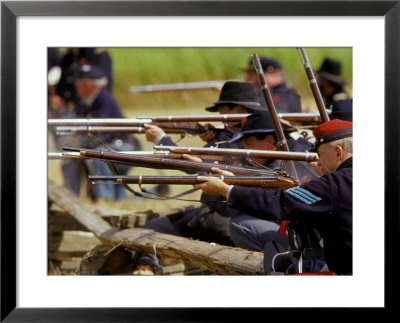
(153, 133)
(209, 134)
(192, 158)
(222, 172)
(212, 186)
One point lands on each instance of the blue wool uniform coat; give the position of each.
(285, 99)
(212, 203)
(104, 106)
(342, 106)
(326, 203)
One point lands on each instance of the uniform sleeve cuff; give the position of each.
(159, 136)
(229, 192)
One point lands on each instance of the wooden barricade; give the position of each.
(123, 229)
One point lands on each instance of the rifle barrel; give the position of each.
(197, 118)
(248, 153)
(116, 122)
(311, 117)
(110, 129)
(77, 155)
(176, 86)
(272, 110)
(262, 181)
(313, 84)
(166, 163)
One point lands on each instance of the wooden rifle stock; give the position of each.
(313, 85)
(260, 181)
(272, 110)
(247, 153)
(166, 163)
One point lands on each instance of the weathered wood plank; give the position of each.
(217, 258)
(68, 202)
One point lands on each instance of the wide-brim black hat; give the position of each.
(254, 124)
(331, 70)
(238, 93)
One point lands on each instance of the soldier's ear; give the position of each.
(340, 152)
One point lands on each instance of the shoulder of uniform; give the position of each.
(99, 51)
(340, 96)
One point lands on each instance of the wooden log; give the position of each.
(60, 220)
(216, 258)
(72, 241)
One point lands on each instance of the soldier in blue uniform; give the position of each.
(324, 203)
(210, 221)
(70, 64)
(258, 132)
(235, 98)
(331, 84)
(285, 98)
(96, 102)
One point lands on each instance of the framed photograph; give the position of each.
(370, 28)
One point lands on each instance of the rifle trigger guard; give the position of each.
(140, 181)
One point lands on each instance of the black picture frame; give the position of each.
(10, 10)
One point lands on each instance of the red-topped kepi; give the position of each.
(331, 131)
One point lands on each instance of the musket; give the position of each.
(245, 153)
(313, 84)
(260, 181)
(109, 122)
(166, 163)
(178, 124)
(306, 117)
(68, 130)
(151, 153)
(196, 117)
(176, 86)
(141, 120)
(272, 110)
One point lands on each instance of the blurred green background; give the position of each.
(140, 66)
(143, 66)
